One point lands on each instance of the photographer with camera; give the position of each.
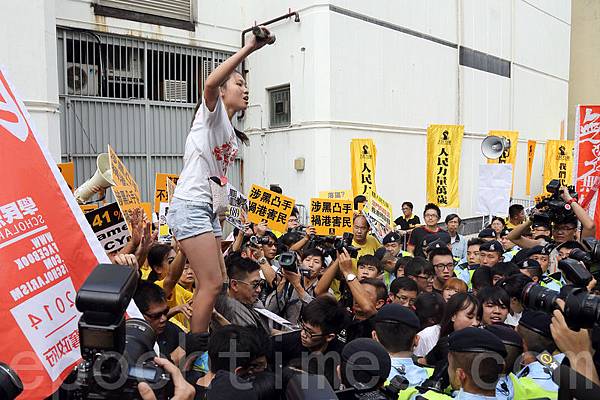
(183, 390)
(296, 285)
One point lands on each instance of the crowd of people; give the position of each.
(426, 313)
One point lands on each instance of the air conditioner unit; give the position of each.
(173, 90)
(127, 69)
(82, 79)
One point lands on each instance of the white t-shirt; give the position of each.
(210, 147)
(428, 338)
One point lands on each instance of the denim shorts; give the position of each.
(188, 218)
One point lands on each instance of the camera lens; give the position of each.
(582, 310)
(140, 338)
(10, 383)
(539, 298)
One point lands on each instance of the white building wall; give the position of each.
(389, 85)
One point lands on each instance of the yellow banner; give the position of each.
(336, 194)
(558, 163)
(443, 152)
(160, 189)
(363, 159)
(331, 217)
(271, 207)
(530, 155)
(508, 156)
(68, 172)
(128, 200)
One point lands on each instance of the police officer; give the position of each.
(396, 327)
(475, 363)
(393, 244)
(535, 381)
(510, 249)
(490, 253)
(505, 389)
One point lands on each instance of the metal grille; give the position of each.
(280, 110)
(134, 94)
(178, 9)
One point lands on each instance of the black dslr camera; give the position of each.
(117, 354)
(259, 240)
(345, 242)
(556, 209)
(582, 309)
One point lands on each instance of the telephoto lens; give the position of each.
(539, 298)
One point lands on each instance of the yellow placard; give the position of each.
(88, 207)
(129, 201)
(379, 215)
(336, 194)
(443, 154)
(269, 206)
(160, 189)
(530, 155)
(147, 207)
(363, 160)
(331, 217)
(120, 174)
(558, 163)
(508, 156)
(68, 172)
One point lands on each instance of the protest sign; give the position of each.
(336, 194)
(530, 155)
(271, 207)
(495, 183)
(443, 152)
(331, 217)
(587, 156)
(164, 232)
(47, 250)
(237, 209)
(147, 207)
(120, 173)
(363, 161)
(509, 155)
(129, 202)
(379, 215)
(558, 163)
(160, 189)
(68, 172)
(109, 226)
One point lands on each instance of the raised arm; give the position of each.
(175, 271)
(222, 72)
(328, 277)
(587, 222)
(516, 236)
(358, 293)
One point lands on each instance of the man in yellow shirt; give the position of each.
(365, 243)
(516, 216)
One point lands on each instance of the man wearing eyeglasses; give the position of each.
(245, 285)
(443, 265)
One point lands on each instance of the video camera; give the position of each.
(259, 240)
(117, 353)
(582, 309)
(553, 206)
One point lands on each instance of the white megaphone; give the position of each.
(492, 147)
(102, 177)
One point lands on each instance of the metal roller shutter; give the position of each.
(177, 9)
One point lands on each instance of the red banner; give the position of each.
(47, 249)
(587, 156)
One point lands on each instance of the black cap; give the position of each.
(440, 239)
(530, 264)
(545, 223)
(358, 356)
(521, 256)
(392, 237)
(506, 334)
(487, 233)
(492, 245)
(395, 313)
(475, 340)
(505, 232)
(537, 321)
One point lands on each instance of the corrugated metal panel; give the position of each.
(178, 9)
(125, 105)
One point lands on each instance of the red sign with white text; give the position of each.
(587, 156)
(47, 249)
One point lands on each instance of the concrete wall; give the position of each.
(584, 84)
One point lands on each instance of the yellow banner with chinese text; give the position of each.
(530, 155)
(331, 217)
(129, 202)
(120, 173)
(443, 154)
(271, 207)
(558, 163)
(363, 160)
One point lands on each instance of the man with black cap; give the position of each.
(396, 329)
(487, 235)
(393, 244)
(510, 249)
(490, 253)
(514, 347)
(535, 381)
(365, 365)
